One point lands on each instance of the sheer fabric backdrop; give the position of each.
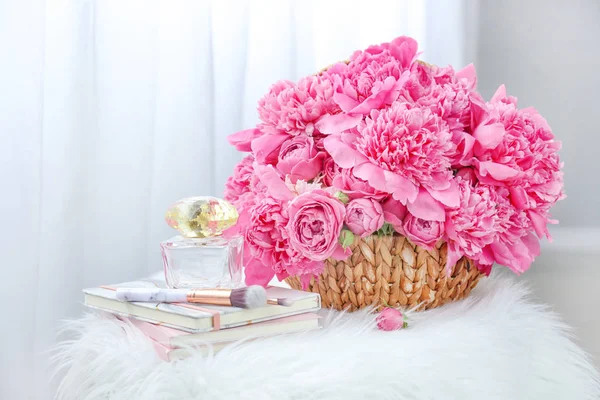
(112, 110)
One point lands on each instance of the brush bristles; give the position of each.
(249, 297)
(285, 302)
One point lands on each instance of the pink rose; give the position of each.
(315, 223)
(390, 319)
(299, 159)
(364, 216)
(421, 232)
(330, 171)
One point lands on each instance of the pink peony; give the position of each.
(471, 226)
(364, 216)
(239, 182)
(354, 187)
(521, 154)
(371, 80)
(299, 159)
(514, 246)
(398, 150)
(294, 108)
(422, 232)
(390, 319)
(315, 223)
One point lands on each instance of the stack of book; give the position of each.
(178, 329)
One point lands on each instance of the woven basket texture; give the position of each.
(391, 271)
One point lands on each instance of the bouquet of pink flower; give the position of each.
(387, 144)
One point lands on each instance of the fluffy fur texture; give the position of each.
(497, 344)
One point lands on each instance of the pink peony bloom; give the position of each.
(514, 246)
(294, 108)
(421, 232)
(354, 187)
(371, 80)
(398, 150)
(523, 155)
(390, 319)
(315, 223)
(471, 226)
(299, 159)
(239, 182)
(364, 216)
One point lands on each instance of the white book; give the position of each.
(198, 317)
(174, 338)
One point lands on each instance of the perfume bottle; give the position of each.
(199, 257)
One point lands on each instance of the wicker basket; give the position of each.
(391, 271)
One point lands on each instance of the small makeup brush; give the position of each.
(280, 302)
(247, 297)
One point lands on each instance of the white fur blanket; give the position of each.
(497, 344)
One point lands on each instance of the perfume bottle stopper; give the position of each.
(200, 217)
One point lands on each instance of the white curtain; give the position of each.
(112, 110)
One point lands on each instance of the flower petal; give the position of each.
(341, 152)
(340, 253)
(497, 171)
(266, 147)
(426, 207)
(469, 74)
(272, 180)
(499, 95)
(242, 140)
(345, 102)
(337, 123)
(449, 197)
(257, 273)
(539, 223)
(489, 136)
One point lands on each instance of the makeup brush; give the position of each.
(246, 297)
(280, 302)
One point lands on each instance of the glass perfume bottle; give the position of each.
(199, 257)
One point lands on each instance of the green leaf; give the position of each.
(386, 230)
(341, 196)
(346, 238)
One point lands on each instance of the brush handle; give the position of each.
(152, 295)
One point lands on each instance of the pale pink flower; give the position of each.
(239, 183)
(300, 159)
(315, 222)
(364, 216)
(422, 232)
(390, 319)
